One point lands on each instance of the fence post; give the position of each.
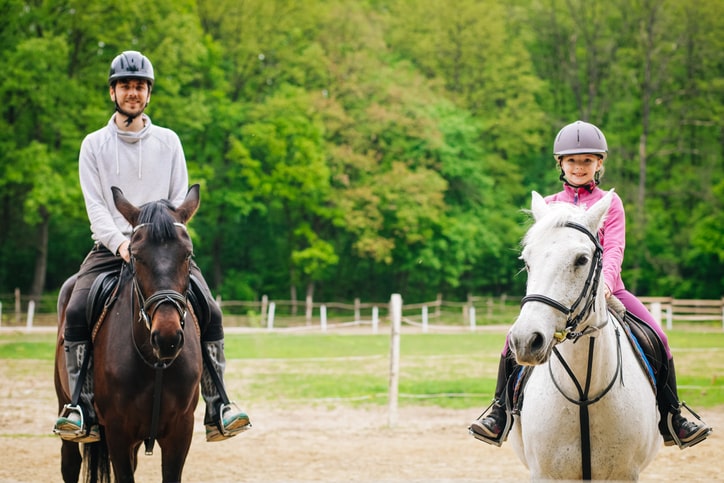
(323, 317)
(270, 319)
(17, 306)
(31, 314)
(669, 316)
(396, 314)
(357, 316)
(424, 319)
(264, 307)
(375, 319)
(656, 312)
(472, 318)
(308, 309)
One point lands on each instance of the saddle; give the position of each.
(104, 292)
(648, 347)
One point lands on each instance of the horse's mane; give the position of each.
(157, 216)
(557, 216)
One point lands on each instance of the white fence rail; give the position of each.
(22, 312)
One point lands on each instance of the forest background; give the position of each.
(361, 148)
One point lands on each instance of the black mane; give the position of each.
(160, 223)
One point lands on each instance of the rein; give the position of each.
(583, 401)
(587, 297)
(588, 293)
(146, 311)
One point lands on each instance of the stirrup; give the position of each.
(220, 430)
(674, 435)
(502, 437)
(76, 431)
(70, 434)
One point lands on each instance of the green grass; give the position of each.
(449, 370)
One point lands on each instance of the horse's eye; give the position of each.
(581, 260)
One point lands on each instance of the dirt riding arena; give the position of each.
(314, 443)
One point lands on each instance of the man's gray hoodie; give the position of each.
(148, 165)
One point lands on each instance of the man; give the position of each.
(147, 162)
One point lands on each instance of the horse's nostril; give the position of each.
(536, 342)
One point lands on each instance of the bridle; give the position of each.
(149, 306)
(587, 297)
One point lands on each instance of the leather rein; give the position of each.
(587, 298)
(147, 308)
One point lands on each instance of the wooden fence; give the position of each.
(17, 311)
(667, 309)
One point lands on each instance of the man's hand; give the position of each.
(123, 251)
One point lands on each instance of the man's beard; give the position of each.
(130, 116)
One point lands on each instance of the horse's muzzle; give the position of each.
(530, 349)
(167, 345)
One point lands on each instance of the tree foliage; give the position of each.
(355, 149)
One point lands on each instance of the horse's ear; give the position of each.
(538, 206)
(187, 209)
(596, 214)
(128, 210)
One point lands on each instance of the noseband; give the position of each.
(148, 307)
(587, 297)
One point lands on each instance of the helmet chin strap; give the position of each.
(129, 117)
(588, 186)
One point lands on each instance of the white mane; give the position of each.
(557, 216)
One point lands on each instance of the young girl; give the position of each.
(580, 151)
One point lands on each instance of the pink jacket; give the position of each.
(612, 235)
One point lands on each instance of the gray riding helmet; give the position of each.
(131, 64)
(580, 138)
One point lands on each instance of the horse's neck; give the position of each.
(601, 363)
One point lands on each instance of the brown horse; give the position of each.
(146, 386)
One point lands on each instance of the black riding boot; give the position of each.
(222, 419)
(673, 426)
(77, 421)
(491, 426)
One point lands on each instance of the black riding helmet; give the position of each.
(130, 65)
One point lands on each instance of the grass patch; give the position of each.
(446, 370)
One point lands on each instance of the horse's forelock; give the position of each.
(160, 222)
(559, 214)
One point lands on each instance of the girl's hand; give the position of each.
(606, 290)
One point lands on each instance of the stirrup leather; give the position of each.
(503, 436)
(674, 435)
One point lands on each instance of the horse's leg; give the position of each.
(122, 453)
(174, 449)
(70, 461)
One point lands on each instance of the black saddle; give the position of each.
(101, 296)
(648, 347)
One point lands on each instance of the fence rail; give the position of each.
(668, 309)
(19, 311)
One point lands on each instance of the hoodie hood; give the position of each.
(131, 137)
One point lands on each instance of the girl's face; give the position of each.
(580, 169)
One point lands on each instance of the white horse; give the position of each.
(588, 412)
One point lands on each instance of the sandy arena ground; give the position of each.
(335, 444)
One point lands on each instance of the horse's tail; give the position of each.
(98, 464)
